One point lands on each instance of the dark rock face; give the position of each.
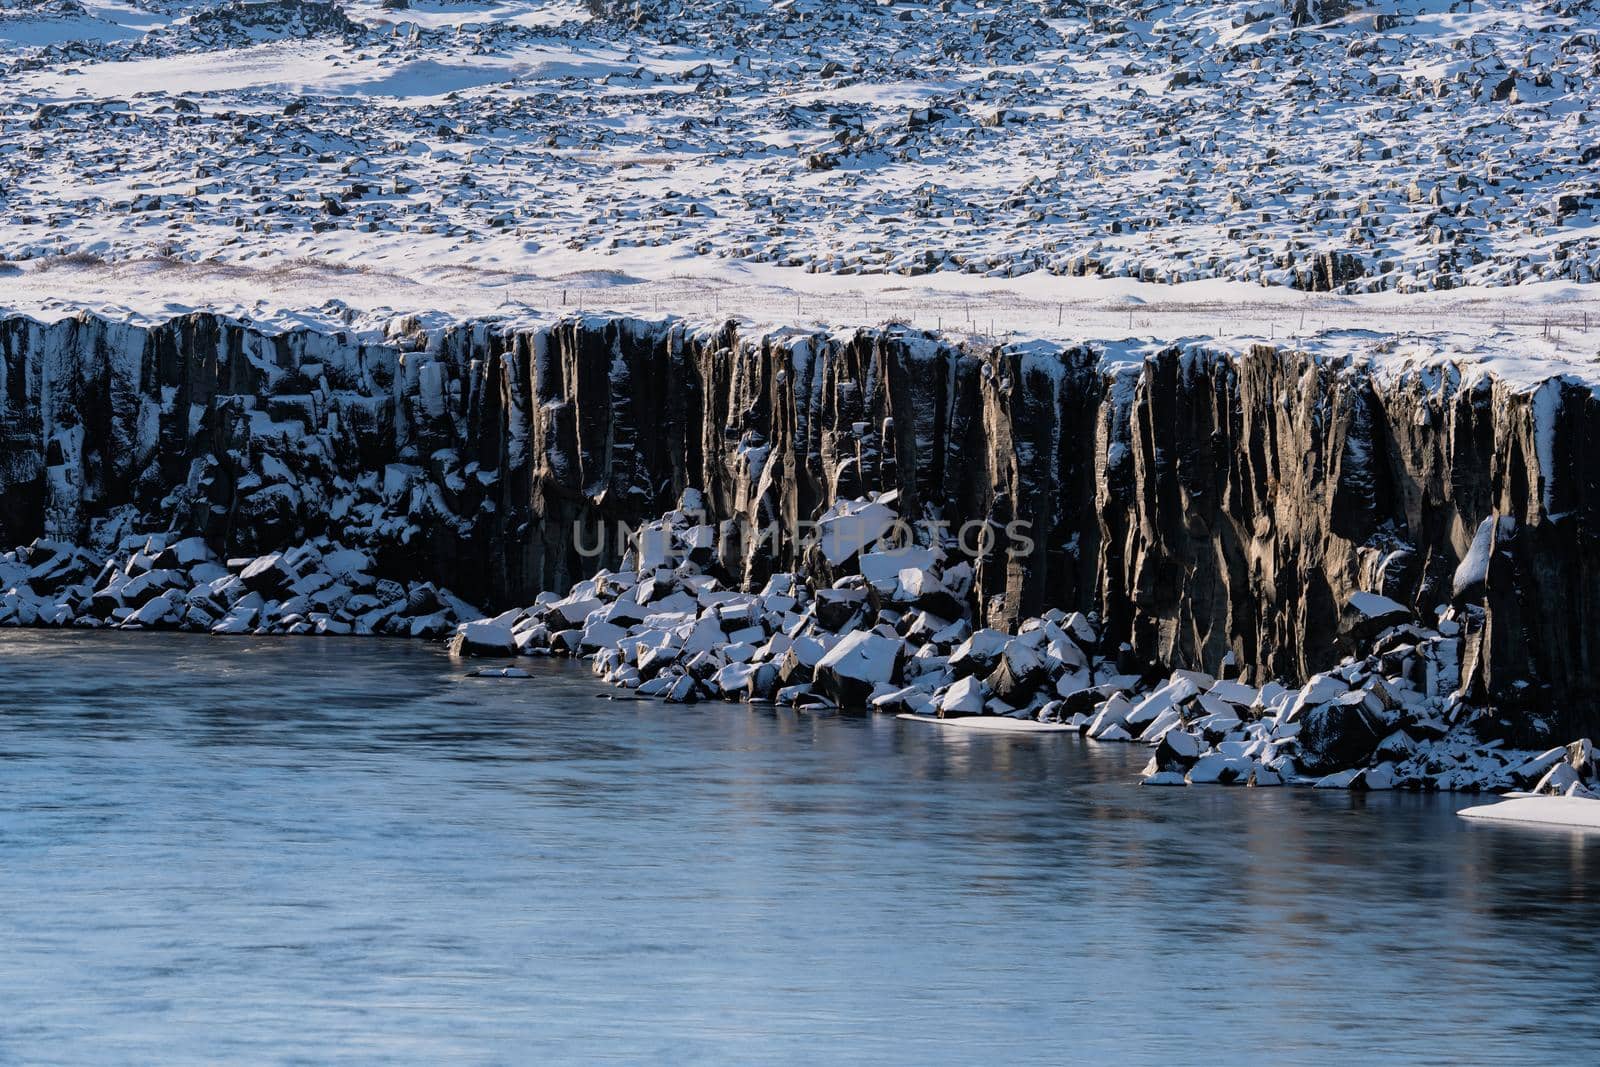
(1203, 503)
(1256, 495)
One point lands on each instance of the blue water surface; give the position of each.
(346, 850)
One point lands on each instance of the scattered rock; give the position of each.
(484, 637)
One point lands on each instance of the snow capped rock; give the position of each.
(1376, 778)
(1177, 751)
(857, 663)
(573, 610)
(185, 554)
(1339, 780)
(1336, 735)
(979, 653)
(598, 635)
(1217, 768)
(268, 575)
(1020, 674)
(1175, 691)
(1110, 716)
(908, 567)
(849, 527)
(731, 680)
(1366, 615)
(963, 697)
(346, 561)
(1321, 688)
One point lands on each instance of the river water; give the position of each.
(347, 850)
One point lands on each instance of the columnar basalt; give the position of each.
(1206, 501)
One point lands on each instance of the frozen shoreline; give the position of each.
(892, 633)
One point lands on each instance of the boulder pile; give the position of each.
(876, 623)
(156, 582)
(873, 619)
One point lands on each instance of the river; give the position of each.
(326, 850)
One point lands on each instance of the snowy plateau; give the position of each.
(1269, 320)
(1325, 146)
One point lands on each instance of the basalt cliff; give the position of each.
(1216, 506)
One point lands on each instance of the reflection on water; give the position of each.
(298, 848)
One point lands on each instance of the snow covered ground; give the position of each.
(994, 166)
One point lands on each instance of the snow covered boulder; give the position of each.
(965, 697)
(598, 635)
(700, 544)
(268, 575)
(1571, 769)
(887, 568)
(1165, 778)
(485, 637)
(911, 699)
(1525, 774)
(346, 561)
(926, 592)
(851, 526)
(762, 682)
(155, 612)
(1110, 720)
(1366, 615)
(836, 609)
(732, 680)
(797, 665)
(1216, 768)
(978, 654)
(1557, 780)
(142, 588)
(1177, 752)
(573, 610)
(1375, 779)
(683, 690)
(1180, 687)
(856, 664)
(1020, 674)
(1339, 779)
(1336, 736)
(185, 553)
(1318, 690)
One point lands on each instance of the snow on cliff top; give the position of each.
(1525, 337)
(1390, 146)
